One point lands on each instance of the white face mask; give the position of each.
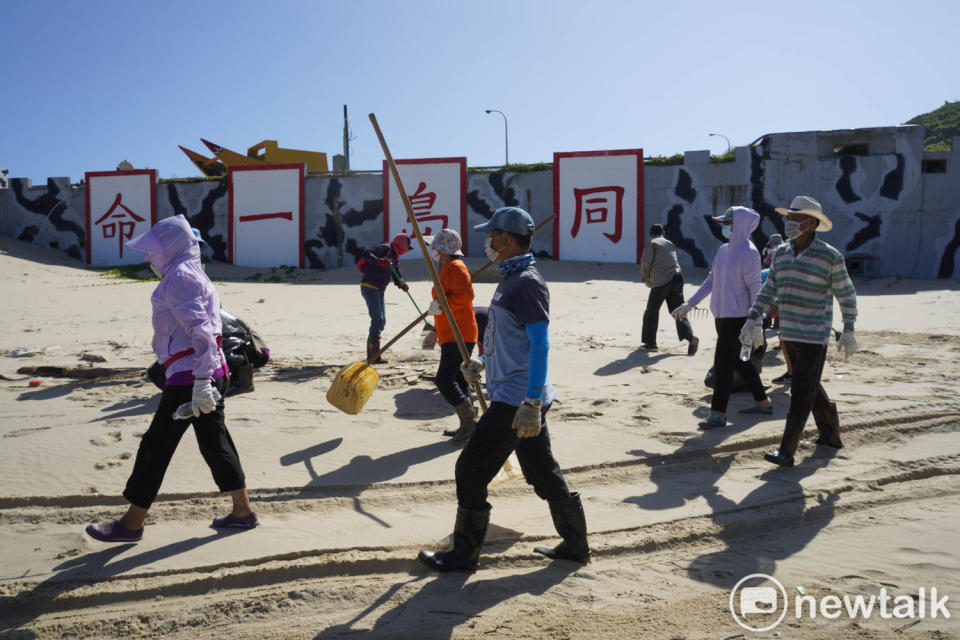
(435, 255)
(725, 231)
(488, 250)
(151, 258)
(791, 229)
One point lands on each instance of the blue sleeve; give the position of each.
(539, 346)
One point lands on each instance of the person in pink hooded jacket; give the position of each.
(733, 283)
(186, 341)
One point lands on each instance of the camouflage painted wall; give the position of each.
(896, 209)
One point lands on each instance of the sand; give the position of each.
(676, 516)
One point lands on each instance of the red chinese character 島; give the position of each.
(422, 202)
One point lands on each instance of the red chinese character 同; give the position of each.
(596, 203)
(422, 202)
(119, 227)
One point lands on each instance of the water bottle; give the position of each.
(184, 411)
(745, 351)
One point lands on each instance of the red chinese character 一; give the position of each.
(116, 223)
(597, 205)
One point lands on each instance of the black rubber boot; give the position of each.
(468, 422)
(373, 347)
(828, 422)
(792, 433)
(468, 535)
(571, 524)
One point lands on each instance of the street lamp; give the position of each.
(720, 135)
(506, 141)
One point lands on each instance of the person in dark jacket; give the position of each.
(380, 265)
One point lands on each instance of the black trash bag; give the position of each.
(243, 349)
(756, 359)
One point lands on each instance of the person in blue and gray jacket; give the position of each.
(515, 346)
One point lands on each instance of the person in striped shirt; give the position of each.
(805, 275)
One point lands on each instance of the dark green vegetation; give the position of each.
(130, 272)
(942, 125)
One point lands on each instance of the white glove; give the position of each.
(526, 421)
(751, 334)
(435, 309)
(472, 370)
(681, 311)
(205, 397)
(847, 344)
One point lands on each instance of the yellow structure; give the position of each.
(269, 152)
(208, 166)
(264, 152)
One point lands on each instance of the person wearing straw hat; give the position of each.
(660, 270)
(515, 360)
(187, 341)
(805, 275)
(445, 249)
(732, 283)
(380, 265)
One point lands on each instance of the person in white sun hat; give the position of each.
(805, 275)
(445, 249)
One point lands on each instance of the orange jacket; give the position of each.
(455, 280)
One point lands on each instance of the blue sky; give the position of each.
(91, 83)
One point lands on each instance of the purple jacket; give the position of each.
(734, 278)
(186, 308)
(377, 276)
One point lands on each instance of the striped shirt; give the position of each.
(803, 287)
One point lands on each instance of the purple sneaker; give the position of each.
(232, 522)
(114, 532)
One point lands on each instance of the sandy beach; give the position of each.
(676, 515)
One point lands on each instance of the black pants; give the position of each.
(806, 392)
(491, 445)
(161, 440)
(726, 358)
(672, 293)
(450, 381)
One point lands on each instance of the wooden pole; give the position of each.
(441, 294)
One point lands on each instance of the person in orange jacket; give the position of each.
(445, 249)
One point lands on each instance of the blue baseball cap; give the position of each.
(509, 219)
(196, 234)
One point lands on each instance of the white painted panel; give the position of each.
(436, 192)
(266, 217)
(597, 208)
(120, 208)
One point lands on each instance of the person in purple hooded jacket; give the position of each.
(380, 265)
(733, 281)
(186, 341)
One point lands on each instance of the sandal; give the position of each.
(232, 522)
(759, 408)
(114, 532)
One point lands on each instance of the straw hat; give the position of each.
(808, 207)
